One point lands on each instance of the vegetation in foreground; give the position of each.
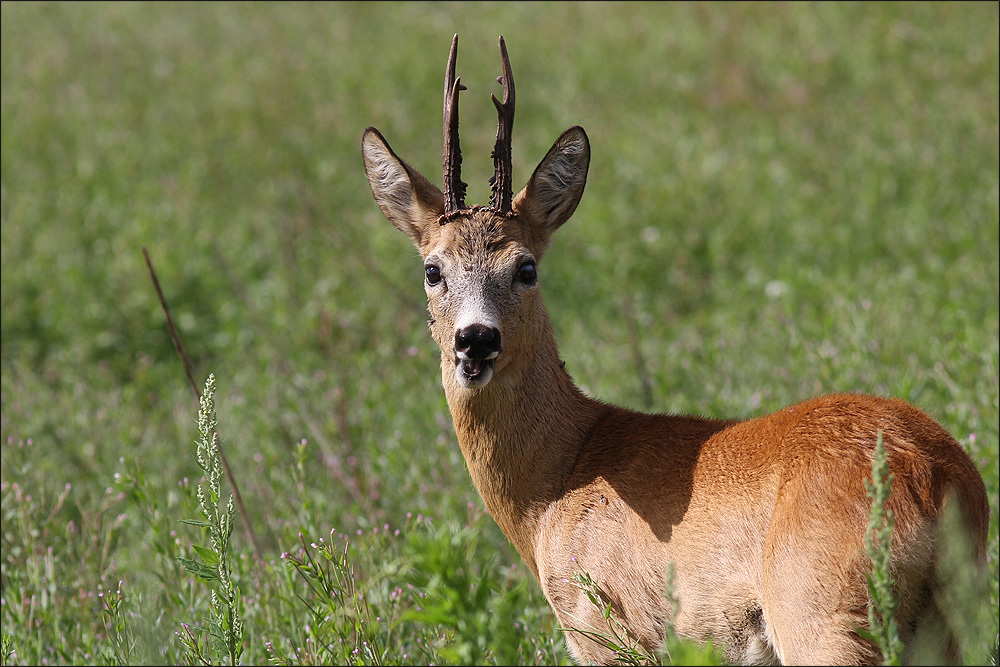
(784, 200)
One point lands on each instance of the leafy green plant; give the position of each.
(7, 650)
(120, 632)
(212, 564)
(482, 615)
(878, 545)
(343, 628)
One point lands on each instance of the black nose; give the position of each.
(477, 341)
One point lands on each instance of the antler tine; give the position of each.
(454, 188)
(502, 178)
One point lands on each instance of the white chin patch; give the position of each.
(474, 373)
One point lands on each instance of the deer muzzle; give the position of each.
(477, 347)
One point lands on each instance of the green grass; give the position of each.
(784, 200)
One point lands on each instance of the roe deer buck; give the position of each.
(763, 519)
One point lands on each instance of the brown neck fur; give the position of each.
(521, 434)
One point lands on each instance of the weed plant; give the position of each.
(882, 629)
(212, 565)
(784, 200)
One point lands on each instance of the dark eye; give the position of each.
(433, 274)
(527, 274)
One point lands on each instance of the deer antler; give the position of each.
(502, 178)
(454, 188)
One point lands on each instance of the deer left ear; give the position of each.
(410, 201)
(555, 189)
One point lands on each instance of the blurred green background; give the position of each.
(784, 200)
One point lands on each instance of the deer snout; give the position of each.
(477, 341)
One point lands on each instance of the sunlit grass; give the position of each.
(784, 200)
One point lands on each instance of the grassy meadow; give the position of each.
(784, 200)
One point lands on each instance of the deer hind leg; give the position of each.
(806, 634)
(815, 593)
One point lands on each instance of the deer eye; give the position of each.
(433, 274)
(527, 274)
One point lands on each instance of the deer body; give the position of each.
(762, 519)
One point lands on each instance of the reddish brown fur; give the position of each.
(763, 519)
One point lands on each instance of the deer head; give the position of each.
(480, 262)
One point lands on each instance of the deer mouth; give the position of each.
(475, 372)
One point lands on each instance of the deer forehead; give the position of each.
(482, 242)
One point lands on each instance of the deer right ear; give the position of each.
(555, 189)
(410, 201)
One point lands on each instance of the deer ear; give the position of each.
(553, 192)
(410, 201)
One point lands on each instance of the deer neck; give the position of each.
(521, 435)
